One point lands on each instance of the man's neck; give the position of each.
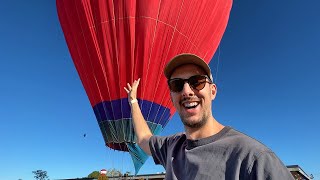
(211, 127)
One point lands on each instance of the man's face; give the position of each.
(193, 106)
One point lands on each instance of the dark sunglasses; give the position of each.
(197, 82)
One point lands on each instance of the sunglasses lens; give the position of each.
(197, 82)
(176, 85)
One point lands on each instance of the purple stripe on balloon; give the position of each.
(120, 109)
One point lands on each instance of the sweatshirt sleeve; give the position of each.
(162, 147)
(268, 166)
(158, 148)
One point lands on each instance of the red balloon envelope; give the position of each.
(113, 42)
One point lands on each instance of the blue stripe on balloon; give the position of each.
(120, 109)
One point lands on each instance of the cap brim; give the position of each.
(182, 59)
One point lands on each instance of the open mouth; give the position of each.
(190, 105)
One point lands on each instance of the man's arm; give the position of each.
(140, 125)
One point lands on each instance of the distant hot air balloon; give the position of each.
(113, 42)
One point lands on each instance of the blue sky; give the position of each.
(268, 87)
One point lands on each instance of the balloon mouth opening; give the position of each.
(119, 146)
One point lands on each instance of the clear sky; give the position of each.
(268, 87)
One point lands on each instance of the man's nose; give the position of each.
(187, 90)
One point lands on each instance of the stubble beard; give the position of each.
(195, 124)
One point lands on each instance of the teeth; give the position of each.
(191, 104)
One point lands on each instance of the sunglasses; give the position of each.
(197, 82)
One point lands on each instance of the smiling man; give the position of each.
(207, 149)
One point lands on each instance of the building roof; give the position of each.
(297, 172)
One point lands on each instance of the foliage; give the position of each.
(94, 174)
(40, 175)
(103, 177)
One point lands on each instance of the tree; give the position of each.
(103, 177)
(40, 175)
(94, 174)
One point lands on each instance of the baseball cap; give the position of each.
(186, 58)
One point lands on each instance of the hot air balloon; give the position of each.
(113, 42)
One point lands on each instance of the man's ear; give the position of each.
(213, 91)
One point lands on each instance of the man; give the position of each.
(207, 149)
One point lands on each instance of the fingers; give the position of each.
(129, 86)
(136, 83)
(126, 89)
(134, 86)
